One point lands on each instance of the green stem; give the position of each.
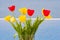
(29, 37)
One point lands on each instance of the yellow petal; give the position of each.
(23, 10)
(48, 17)
(22, 18)
(7, 18)
(12, 19)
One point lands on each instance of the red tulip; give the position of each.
(46, 12)
(30, 12)
(11, 8)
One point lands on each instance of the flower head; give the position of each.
(46, 13)
(30, 12)
(12, 19)
(22, 18)
(7, 18)
(11, 8)
(23, 10)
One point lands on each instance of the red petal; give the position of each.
(30, 12)
(11, 8)
(46, 12)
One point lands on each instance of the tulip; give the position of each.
(11, 8)
(22, 18)
(23, 10)
(12, 19)
(46, 13)
(30, 12)
(7, 18)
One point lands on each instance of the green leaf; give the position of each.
(19, 27)
(15, 35)
(36, 24)
(13, 25)
(28, 25)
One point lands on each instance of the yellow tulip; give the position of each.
(23, 10)
(7, 18)
(12, 19)
(22, 18)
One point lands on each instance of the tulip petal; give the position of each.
(12, 19)
(11, 8)
(7, 18)
(30, 12)
(48, 17)
(23, 10)
(45, 12)
(22, 18)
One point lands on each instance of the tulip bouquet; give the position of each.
(29, 29)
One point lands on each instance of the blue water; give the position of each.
(48, 30)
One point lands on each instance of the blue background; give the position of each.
(37, 5)
(48, 30)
